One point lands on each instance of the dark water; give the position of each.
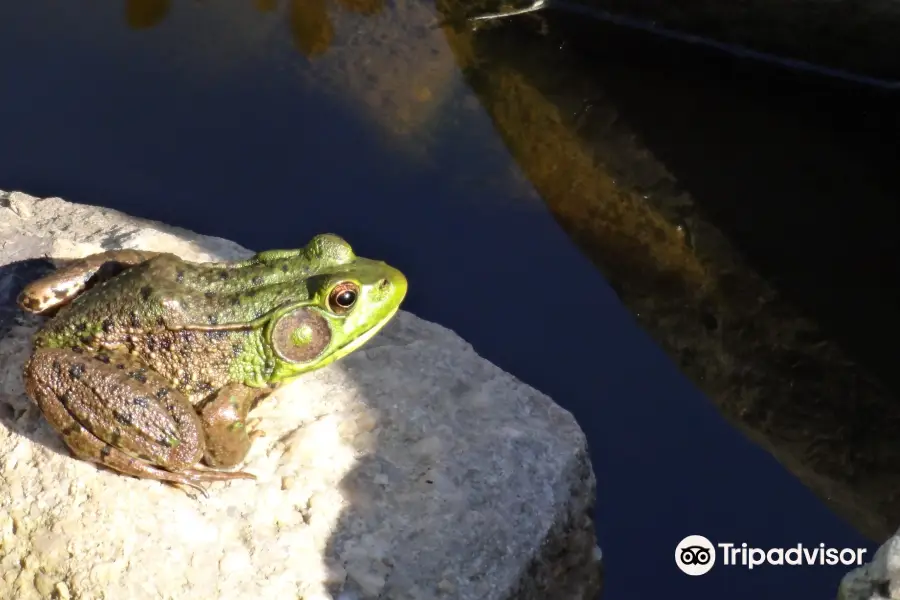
(212, 119)
(799, 171)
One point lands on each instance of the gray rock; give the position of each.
(878, 579)
(411, 469)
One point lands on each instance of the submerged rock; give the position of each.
(769, 363)
(411, 469)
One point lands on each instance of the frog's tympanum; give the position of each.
(151, 364)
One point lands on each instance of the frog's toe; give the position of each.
(215, 474)
(195, 487)
(253, 429)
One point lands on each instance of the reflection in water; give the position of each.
(390, 65)
(142, 14)
(310, 24)
(311, 29)
(770, 368)
(587, 199)
(265, 5)
(363, 7)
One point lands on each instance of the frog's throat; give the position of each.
(362, 339)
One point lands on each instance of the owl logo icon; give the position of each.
(695, 555)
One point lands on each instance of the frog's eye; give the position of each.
(343, 297)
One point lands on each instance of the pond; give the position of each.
(267, 122)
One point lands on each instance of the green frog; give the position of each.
(150, 364)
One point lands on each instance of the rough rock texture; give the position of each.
(876, 580)
(411, 469)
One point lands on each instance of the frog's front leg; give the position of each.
(112, 410)
(224, 419)
(62, 285)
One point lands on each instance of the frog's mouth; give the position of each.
(362, 339)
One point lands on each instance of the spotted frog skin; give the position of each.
(151, 364)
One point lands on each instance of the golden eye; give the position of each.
(343, 297)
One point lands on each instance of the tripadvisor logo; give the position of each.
(696, 555)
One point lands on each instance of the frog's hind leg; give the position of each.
(62, 285)
(88, 447)
(111, 411)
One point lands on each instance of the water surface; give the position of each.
(267, 123)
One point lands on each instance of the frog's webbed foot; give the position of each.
(111, 410)
(62, 285)
(229, 434)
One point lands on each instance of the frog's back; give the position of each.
(132, 300)
(168, 293)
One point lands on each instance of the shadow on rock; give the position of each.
(468, 484)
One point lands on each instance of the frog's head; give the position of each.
(350, 299)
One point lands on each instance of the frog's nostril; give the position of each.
(384, 284)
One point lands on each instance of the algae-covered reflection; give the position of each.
(310, 25)
(385, 61)
(143, 14)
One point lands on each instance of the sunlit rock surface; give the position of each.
(411, 469)
(877, 580)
